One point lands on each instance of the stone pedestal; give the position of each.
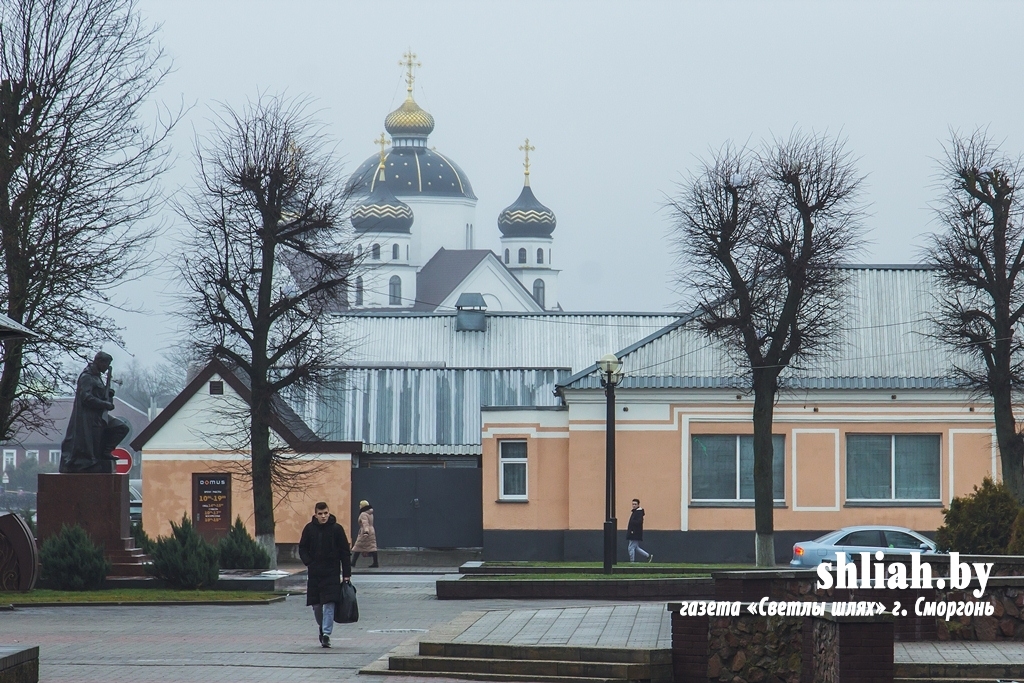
(99, 504)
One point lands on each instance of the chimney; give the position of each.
(471, 313)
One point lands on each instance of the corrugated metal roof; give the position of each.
(886, 343)
(540, 340)
(426, 406)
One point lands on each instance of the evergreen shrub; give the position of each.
(239, 550)
(184, 559)
(142, 540)
(72, 562)
(1016, 546)
(980, 522)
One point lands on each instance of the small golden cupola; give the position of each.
(409, 125)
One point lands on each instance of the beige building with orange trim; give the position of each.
(877, 432)
(196, 439)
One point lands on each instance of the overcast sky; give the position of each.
(620, 100)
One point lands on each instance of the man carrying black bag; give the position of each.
(324, 549)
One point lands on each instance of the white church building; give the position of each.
(415, 225)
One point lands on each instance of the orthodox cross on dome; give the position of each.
(409, 62)
(383, 142)
(527, 147)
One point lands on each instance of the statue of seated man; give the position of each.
(92, 434)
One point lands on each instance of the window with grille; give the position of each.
(723, 467)
(893, 467)
(512, 470)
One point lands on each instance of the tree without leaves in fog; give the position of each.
(269, 196)
(76, 182)
(148, 387)
(980, 259)
(760, 237)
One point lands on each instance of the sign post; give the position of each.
(124, 460)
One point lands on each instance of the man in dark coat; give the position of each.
(92, 434)
(324, 549)
(635, 532)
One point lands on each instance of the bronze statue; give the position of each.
(92, 434)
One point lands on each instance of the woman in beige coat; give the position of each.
(366, 539)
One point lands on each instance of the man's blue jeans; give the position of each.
(634, 548)
(324, 617)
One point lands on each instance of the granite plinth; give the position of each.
(99, 504)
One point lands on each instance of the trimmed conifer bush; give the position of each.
(142, 540)
(184, 559)
(72, 562)
(1016, 546)
(239, 550)
(980, 522)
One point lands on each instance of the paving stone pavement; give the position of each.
(237, 643)
(960, 652)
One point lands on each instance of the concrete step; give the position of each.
(128, 569)
(546, 652)
(531, 669)
(476, 676)
(958, 672)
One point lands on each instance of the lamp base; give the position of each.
(610, 549)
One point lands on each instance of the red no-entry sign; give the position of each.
(124, 460)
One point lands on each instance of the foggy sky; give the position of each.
(620, 100)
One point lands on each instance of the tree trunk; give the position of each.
(764, 500)
(1011, 443)
(262, 488)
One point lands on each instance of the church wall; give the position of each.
(440, 222)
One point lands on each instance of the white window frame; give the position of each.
(54, 456)
(10, 457)
(32, 454)
(524, 461)
(737, 499)
(892, 470)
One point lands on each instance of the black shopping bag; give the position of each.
(347, 611)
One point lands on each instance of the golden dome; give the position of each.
(409, 119)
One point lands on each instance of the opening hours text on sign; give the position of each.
(211, 504)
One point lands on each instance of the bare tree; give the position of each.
(980, 256)
(761, 236)
(148, 387)
(76, 181)
(270, 196)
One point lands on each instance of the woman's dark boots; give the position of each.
(374, 556)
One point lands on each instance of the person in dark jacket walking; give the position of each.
(323, 548)
(635, 532)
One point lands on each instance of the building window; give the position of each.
(512, 471)
(54, 456)
(522, 256)
(9, 455)
(32, 455)
(395, 290)
(538, 292)
(359, 291)
(723, 467)
(893, 466)
(549, 257)
(395, 253)
(217, 388)
(540, 256)
(506, 257)
(375, 252)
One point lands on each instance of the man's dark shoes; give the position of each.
(325, 641)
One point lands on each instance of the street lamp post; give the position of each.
(611, 374)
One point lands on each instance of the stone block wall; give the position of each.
(751, 649)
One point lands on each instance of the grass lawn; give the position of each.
(576, 576)
(132, 595)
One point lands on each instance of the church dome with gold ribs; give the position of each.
(412, 169)
(527, 217)
(382, 211)
(409, 120)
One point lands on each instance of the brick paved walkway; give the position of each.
(960, 652)
(643, 626)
